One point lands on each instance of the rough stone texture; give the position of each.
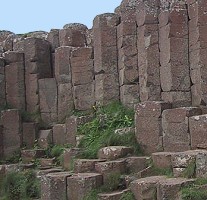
(83, 183)
(37, 66)
(15, 85)
(54, 186)
(173, 43)
(197, 50)
(47, 162)
(106, 88)
(177, 99)
(148, 126)
(2, 83)
(69, 156)
(136, 164)
(45, 138)
(83, 96)
(65, 100)
(170, 188)
(62, 64)
(85, 165)
(13, 57)
(175, 124)
(146, 188)
(73, 35)
(30, 155)
(48, 100)
(53, 38)
(29, 134)
(112, 195)
(148, 51)
(197, 126)
(114, 152)
(162, 159)
(59, 134)
(71, 128)
(184, 159)
(11, 132)
(129, 95)
(105, 58)
(110, 167)
(82, 66)
(201, 161)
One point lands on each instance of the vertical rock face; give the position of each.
(48, 100)
(83, 78)
(174, 58)
(15, 79)
(2, 83)
(197, 50)
(148, 51)
(11, 132)
(127, 58)
(37, 66)
(105, 58)
(175, 123)
(148, 125)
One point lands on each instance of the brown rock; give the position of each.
(29, 133)
(13, 57)
(162, 159)
(11, 132)
(83, 183)
(62, 64)
(15, 85)
(201, 160)
(175, 128)
(85, 165)
(197, 128)
(114, 152)
(59, 134)
(170, 188)
(69, 156)
(146, 188)
(45, 138)
(54, 186)
(53, 38)
(83, 96)
(107, 169)
(136, 164)
(48, 98)
(106, 88)
(30, 155)
(112, 195)
(65, 100)
(148, 127)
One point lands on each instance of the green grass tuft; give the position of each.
(100, 131)
(127, 196)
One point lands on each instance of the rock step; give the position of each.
(54, 186)
(158, 187)
(114, 152)
(30, 155)
(47, 162)
(116, 195)
(79, 185)
(179, 161)
(86, 165)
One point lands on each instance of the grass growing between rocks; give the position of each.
(100, 131)
(196, 191)
(127, 196)
(189, 172)
(20, 185)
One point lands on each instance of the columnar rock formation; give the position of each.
(145, 51)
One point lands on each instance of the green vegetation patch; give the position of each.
(100, 131)
(20, 185)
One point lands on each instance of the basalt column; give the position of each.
(37, 66)
(105, 58)
(15, 79)
(64, 81)
(173, 42)
(148, 51)
(127, 56)
(83, 78)
(2, 83)
(198, 50)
